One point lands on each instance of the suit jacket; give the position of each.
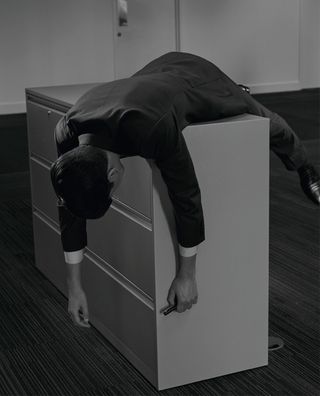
(144, 115)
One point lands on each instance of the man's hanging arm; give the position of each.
(72, 228)
(74, 240)
(178, 173)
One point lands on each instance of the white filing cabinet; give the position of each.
(130, 260)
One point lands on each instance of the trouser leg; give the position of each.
(283, 140)
(285, 143)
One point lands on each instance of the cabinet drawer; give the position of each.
(48, 252)
(126, 243)
(124, 318)
(121, 238)
(43, 195)
(41, 123)
(114, 308)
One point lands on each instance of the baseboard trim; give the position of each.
(12, 107)
(280, 86)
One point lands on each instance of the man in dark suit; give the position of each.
(144, 115)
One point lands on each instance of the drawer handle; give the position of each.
(122, 10)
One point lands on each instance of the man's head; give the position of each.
(85, 177)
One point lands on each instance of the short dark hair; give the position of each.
(79, 177)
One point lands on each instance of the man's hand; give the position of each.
(78, 302)
(184, 289)
(184, 285)
(77, 306)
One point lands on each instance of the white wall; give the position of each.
(310, 43)
(271, 45)
(256, 42)
(45, 42)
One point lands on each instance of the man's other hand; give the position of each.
(78, 307)
(183, 291)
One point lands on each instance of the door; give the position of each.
(143, 30)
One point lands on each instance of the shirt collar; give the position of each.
(99, 141)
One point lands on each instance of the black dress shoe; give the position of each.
(245, 88)
(310, 182)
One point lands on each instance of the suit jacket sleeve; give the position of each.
(177, 171)
(72, 228)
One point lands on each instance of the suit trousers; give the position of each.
(284, 142)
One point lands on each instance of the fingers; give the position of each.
(79, 318)
(84, 320)
(85, 312)
(171, 297)
(184, 305)
(78, 308)
(75, 317)
(181, 307)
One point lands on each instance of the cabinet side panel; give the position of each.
(227, 330)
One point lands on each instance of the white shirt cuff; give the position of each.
(188, 251)
(74, 257)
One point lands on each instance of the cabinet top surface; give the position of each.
(65, 95)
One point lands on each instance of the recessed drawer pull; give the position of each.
(41, 124)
